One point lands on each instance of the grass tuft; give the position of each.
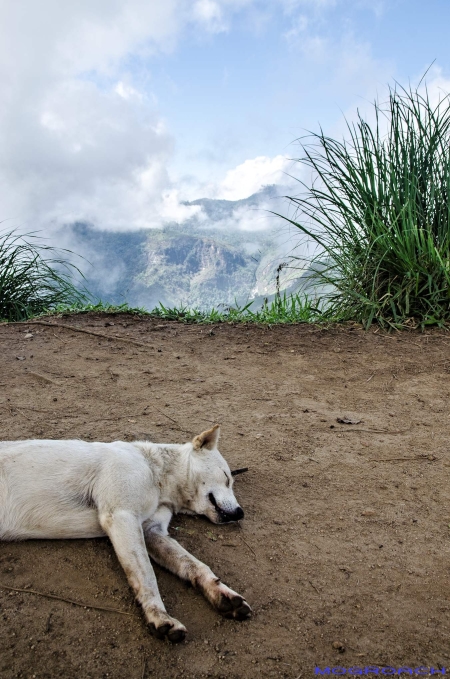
(378, 213)
(33, 278)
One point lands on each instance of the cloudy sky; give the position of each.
(115, 111)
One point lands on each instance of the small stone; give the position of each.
(368, 512)
(338, 646)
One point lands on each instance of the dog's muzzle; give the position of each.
(224, 516)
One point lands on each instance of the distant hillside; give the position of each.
(196, 271)
(196, 264)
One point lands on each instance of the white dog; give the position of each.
(128, 491)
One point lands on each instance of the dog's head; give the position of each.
(213, 483)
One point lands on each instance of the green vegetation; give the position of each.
(98, 307)
(283, 309)
(33, 278)
(378, 213)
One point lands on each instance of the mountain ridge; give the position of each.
(199, 263)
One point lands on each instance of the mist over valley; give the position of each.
(208, 261)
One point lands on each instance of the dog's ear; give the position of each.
(207, 440)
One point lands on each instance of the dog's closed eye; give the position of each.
(228, 479)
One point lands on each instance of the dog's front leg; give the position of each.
(126, 535)
(169, 553)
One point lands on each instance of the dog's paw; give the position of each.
(234, 606)
(227, 602)
(169, 628)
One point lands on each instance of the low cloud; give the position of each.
(250, 177)
(78, 140)
(81, 141)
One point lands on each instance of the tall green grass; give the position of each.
(378, 212)
(33, 278)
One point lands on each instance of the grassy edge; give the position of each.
(268, 316)
(283, 310)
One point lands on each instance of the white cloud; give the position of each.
(173, 210)
(251, 219)
(436, 84)
(127, 91)
(250, 176)
(210, 14)
(78, 140)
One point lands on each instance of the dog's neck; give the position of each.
(173, 463)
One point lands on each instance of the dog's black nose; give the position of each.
(238, 514)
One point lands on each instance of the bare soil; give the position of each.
(344, 552)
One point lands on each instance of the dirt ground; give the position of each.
(344, 552)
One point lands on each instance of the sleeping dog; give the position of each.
(129, 492)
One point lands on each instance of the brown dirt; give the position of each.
(346, 536)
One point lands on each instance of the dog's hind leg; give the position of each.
(126, 535)
(169, 553)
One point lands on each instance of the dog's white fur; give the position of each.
(128, 491)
